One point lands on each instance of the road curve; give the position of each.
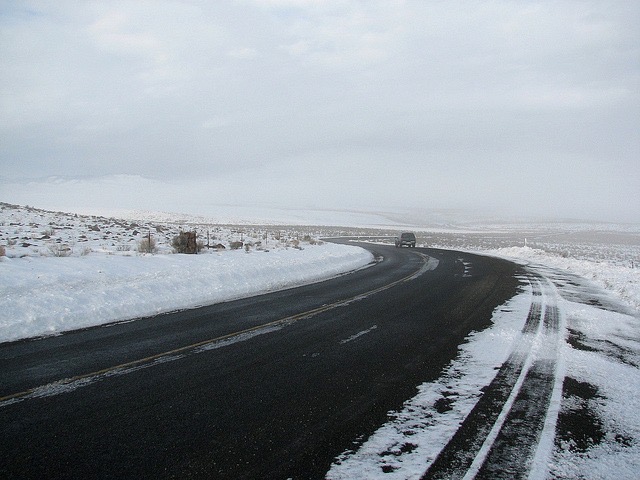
(274, 386)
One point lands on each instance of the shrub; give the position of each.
(185, 242)
(148, 245)
(311, 241)
(59, 250)
(3, 252)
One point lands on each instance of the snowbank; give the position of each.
(621, 281)
(49, 295)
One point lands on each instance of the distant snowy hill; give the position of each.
(137, 197)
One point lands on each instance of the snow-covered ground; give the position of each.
(62, 271)
(601, 358)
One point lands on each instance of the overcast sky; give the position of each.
(526, 107)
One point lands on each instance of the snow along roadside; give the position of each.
(412, 438)
(49, 295)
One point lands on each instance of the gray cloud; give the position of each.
(532, 107)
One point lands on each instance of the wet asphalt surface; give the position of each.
(209, 393)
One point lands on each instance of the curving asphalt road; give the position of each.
(274, 386)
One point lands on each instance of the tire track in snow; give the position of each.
(513, 450)
(500, 437)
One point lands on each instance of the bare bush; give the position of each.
(311, 241)
(147, 245)
(235, 245)
(185, 242)
(3, 252)
(60, 250)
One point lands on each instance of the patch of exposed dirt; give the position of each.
(579, 426)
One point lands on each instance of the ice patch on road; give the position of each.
(241, 337)
(358, 335)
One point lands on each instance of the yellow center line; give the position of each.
(282, 321)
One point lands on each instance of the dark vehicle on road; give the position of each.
(406, 238)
